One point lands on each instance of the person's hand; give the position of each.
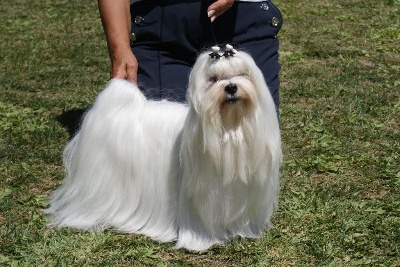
(219, 7)
(116, 21)
(124, 65)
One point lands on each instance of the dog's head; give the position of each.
(232, 114)
(225, 86)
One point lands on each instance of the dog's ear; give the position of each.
(197, 80)
(255, 73)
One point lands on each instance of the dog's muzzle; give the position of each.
(231, 90)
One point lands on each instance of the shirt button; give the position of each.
(138, 20)
(133, 37)
(264, 6)
(275, 22)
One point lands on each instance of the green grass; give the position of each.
(340, 197)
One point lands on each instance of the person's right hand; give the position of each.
(124, 65)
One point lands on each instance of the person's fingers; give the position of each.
(217, 8)
(119, 71)
(131, 73)
(125, 67)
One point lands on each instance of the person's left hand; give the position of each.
(219, 7)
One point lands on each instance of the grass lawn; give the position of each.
(340, 119)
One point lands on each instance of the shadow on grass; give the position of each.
(71, 120)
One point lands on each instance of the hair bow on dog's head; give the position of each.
(215, 52)
(229, 52)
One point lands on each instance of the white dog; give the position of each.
(199, 174)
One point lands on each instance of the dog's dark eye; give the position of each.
(214, 79)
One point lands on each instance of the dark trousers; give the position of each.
(169, 34)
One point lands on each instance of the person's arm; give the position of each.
(116, 20)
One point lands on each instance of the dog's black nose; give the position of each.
(231, 89)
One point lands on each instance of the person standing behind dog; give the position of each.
(155, 42)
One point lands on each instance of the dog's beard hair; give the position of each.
(226, 134)
(200, 174)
